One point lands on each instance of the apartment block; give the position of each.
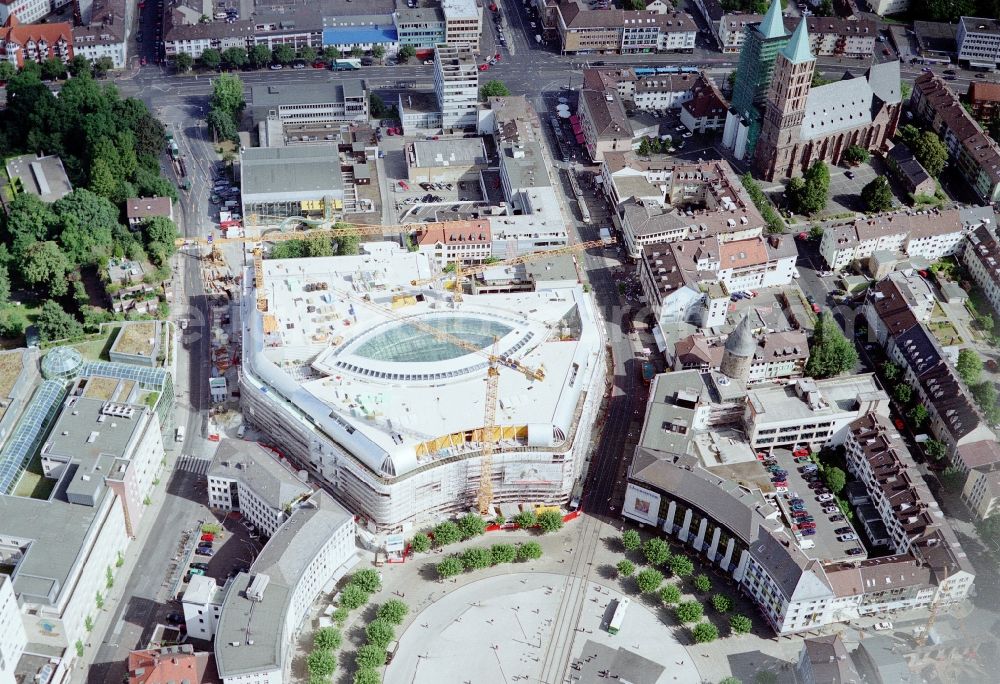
(928, 234)
(584, 30)
(828, 36)
(971, 151)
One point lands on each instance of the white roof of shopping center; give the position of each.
(382, 388)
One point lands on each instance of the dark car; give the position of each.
(810, 299)
(809, 532)
(199, 566)
(200, 551)
(843, 530)
(367, 61)
(854, 552)
(849, 174)
(175, 618)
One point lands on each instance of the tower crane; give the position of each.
(484, 499)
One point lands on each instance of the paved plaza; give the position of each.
(497, 629)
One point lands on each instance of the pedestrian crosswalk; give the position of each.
(193, 464)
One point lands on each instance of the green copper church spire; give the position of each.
(797, 51)
(772, 25)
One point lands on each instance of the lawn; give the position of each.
(945, 333)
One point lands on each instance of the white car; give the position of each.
(687, 135)
(848, 537)
(681, 128)
(825, 497)
(881, 626)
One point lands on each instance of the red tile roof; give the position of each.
(16, 32)
(455, 232)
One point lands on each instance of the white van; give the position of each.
(179, 434)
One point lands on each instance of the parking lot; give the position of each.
(819, 526)
(232, 550)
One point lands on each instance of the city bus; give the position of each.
(619, 617)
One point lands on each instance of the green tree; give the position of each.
(689, 611)
(222, 124)
(227, 94)
(649, 580)
(308, 53)
(371, 656)
(625, 567)
(835, 479)
(529, 551)
(160, 233)
(830, 353)
(211, 58)
(503, 553)
(53, 69)
(902, 393)
(102, 66)
(890, 370)
(28, 221)
(183, 62)
(645, 148)
(406, 53)
(380, 632)
(935, 449)
(327, 637)
(811, 196)
(680, 566)
(670, 594)
(332, 52)
(816, 233)
(702, 583)
(765, 677)
(378, 52)
(704, 632)
(321, 663)
(4, 285)
(930, 152)
(377, 106)
(471, 525)
(631, 540)
(855, 154)
(8, 70)
(731, 680)
(918, 415)
(477, 558)
(45, 264)
(969, 366)
(493, 88)
(526, 518)
(394, 611)
(348, 245)
(446, 533)
(952, 478)
(420, 543)
(449, 567)
(86, 224)
(740, 624)
(353, 596)
(234, 57)
(357, 52)
(88, 623)
(550, 521)
(722, 603)
(367, 675)
(78, 66)
(367, 579)
(12, 322)
(656, 550)
(989, 532)
(259, 56)
(283, 54)
(877, 195)
(340, 615)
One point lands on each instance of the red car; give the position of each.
(806, 526)
(207, 537)
(484, 67)
(403, 185)
(815, 308)
(319, 64)
(497, 56)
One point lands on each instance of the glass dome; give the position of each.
(61, 362)
(407, 343)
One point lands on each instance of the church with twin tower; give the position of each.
(784, 124)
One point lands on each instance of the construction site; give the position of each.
(411, 397)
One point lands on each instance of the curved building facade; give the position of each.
(353, 372)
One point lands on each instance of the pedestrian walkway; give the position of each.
(194, 464)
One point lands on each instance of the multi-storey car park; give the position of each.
(389, 415)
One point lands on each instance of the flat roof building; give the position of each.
(262, 609)
(42, 176)
(278, 182)
(319, 103)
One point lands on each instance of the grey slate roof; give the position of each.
(259, 470)
(741, 341)
(293, 171)
(884, 81)
(837, 106)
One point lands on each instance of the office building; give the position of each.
(248, 478)
(456, 83)
(979, 42)
(468, 242)
(463, 22)
(330, 102)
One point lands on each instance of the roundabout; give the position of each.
(503, 629)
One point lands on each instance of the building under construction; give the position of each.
(380, 387)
